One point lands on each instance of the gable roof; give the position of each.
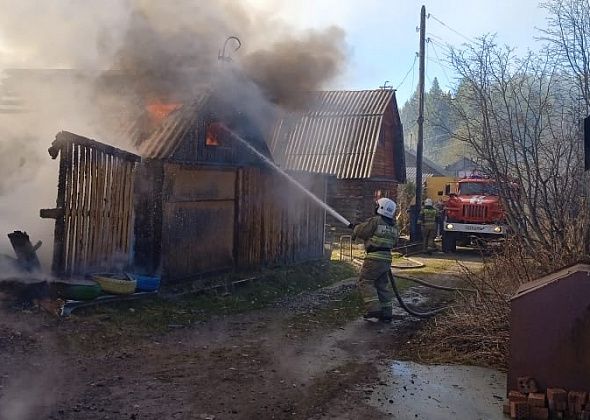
(207, 106)
(461, 164)
(166, 139)
(429, 168)
(337, 134)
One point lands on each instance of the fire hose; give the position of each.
(413, 312)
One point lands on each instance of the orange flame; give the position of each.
(214, 134)
(159, 110)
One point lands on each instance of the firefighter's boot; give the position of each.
(386, 314)
(373, 315)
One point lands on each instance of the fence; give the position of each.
(94, 213)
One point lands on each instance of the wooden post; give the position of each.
(57, 266)
(25, 251)
(420, 146)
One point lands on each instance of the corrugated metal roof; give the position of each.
(411, 174)
(336, 135)
(428, 166)
(165, 140)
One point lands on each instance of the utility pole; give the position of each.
(420, 146)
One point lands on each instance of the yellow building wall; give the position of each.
(434, 184)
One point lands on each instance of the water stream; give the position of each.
(289, 178)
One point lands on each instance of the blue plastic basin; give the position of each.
(145, 283)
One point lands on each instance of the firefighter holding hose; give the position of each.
(380, 234)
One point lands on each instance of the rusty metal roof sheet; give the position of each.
(163, 142)
(553, 277)
(336, 135)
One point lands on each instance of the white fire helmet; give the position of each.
(428, 202)
(386, 207)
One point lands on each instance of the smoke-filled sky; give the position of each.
(380, 34)
(170, 48)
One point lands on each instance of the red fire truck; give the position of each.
(473, 213)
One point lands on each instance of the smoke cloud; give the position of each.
(126, 53)
(291, 67)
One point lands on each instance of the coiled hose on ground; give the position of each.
(413, 312)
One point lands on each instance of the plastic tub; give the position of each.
(78, 290)
(115, 284)
(145, 283)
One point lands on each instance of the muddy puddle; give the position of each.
(412, 391)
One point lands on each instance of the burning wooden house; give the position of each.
(354, 136)
(197, 200)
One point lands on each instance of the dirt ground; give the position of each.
(308, 356)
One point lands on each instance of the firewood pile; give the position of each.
(555, 403)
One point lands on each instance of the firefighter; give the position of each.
(428, 220)
(439, 206)
(380, 234)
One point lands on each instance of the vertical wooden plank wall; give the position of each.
(278, 224)
(94, 205)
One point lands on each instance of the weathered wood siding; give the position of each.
(355, 200)
(277, 223)
(388, 160)
(198, 216)
(94, 214)
(149, 179)
(215, 219)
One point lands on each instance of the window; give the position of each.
(477, 188)
(214, 135)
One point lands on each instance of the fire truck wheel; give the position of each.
(449, 242)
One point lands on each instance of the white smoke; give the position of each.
(127, 52)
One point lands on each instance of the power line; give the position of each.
(426, 57)
(448, 50)
(430, 15)
(411, 69)
(431, 35)
(447, 47)
(440, 64)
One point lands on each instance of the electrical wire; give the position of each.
(430, 15)
(426, 57)
(411, 69)
(442, 67)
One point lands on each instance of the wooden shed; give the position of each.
(205, 203)
(550, 330)
(354, 136)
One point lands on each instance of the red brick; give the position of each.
(536, 399)
(526, 384)
(557, 399)
(576, 400)
(519, 410)
(539, 413)
(516, 396)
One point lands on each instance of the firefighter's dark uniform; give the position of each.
(380, 236)
(428, 220)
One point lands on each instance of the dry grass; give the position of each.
(476, 330)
